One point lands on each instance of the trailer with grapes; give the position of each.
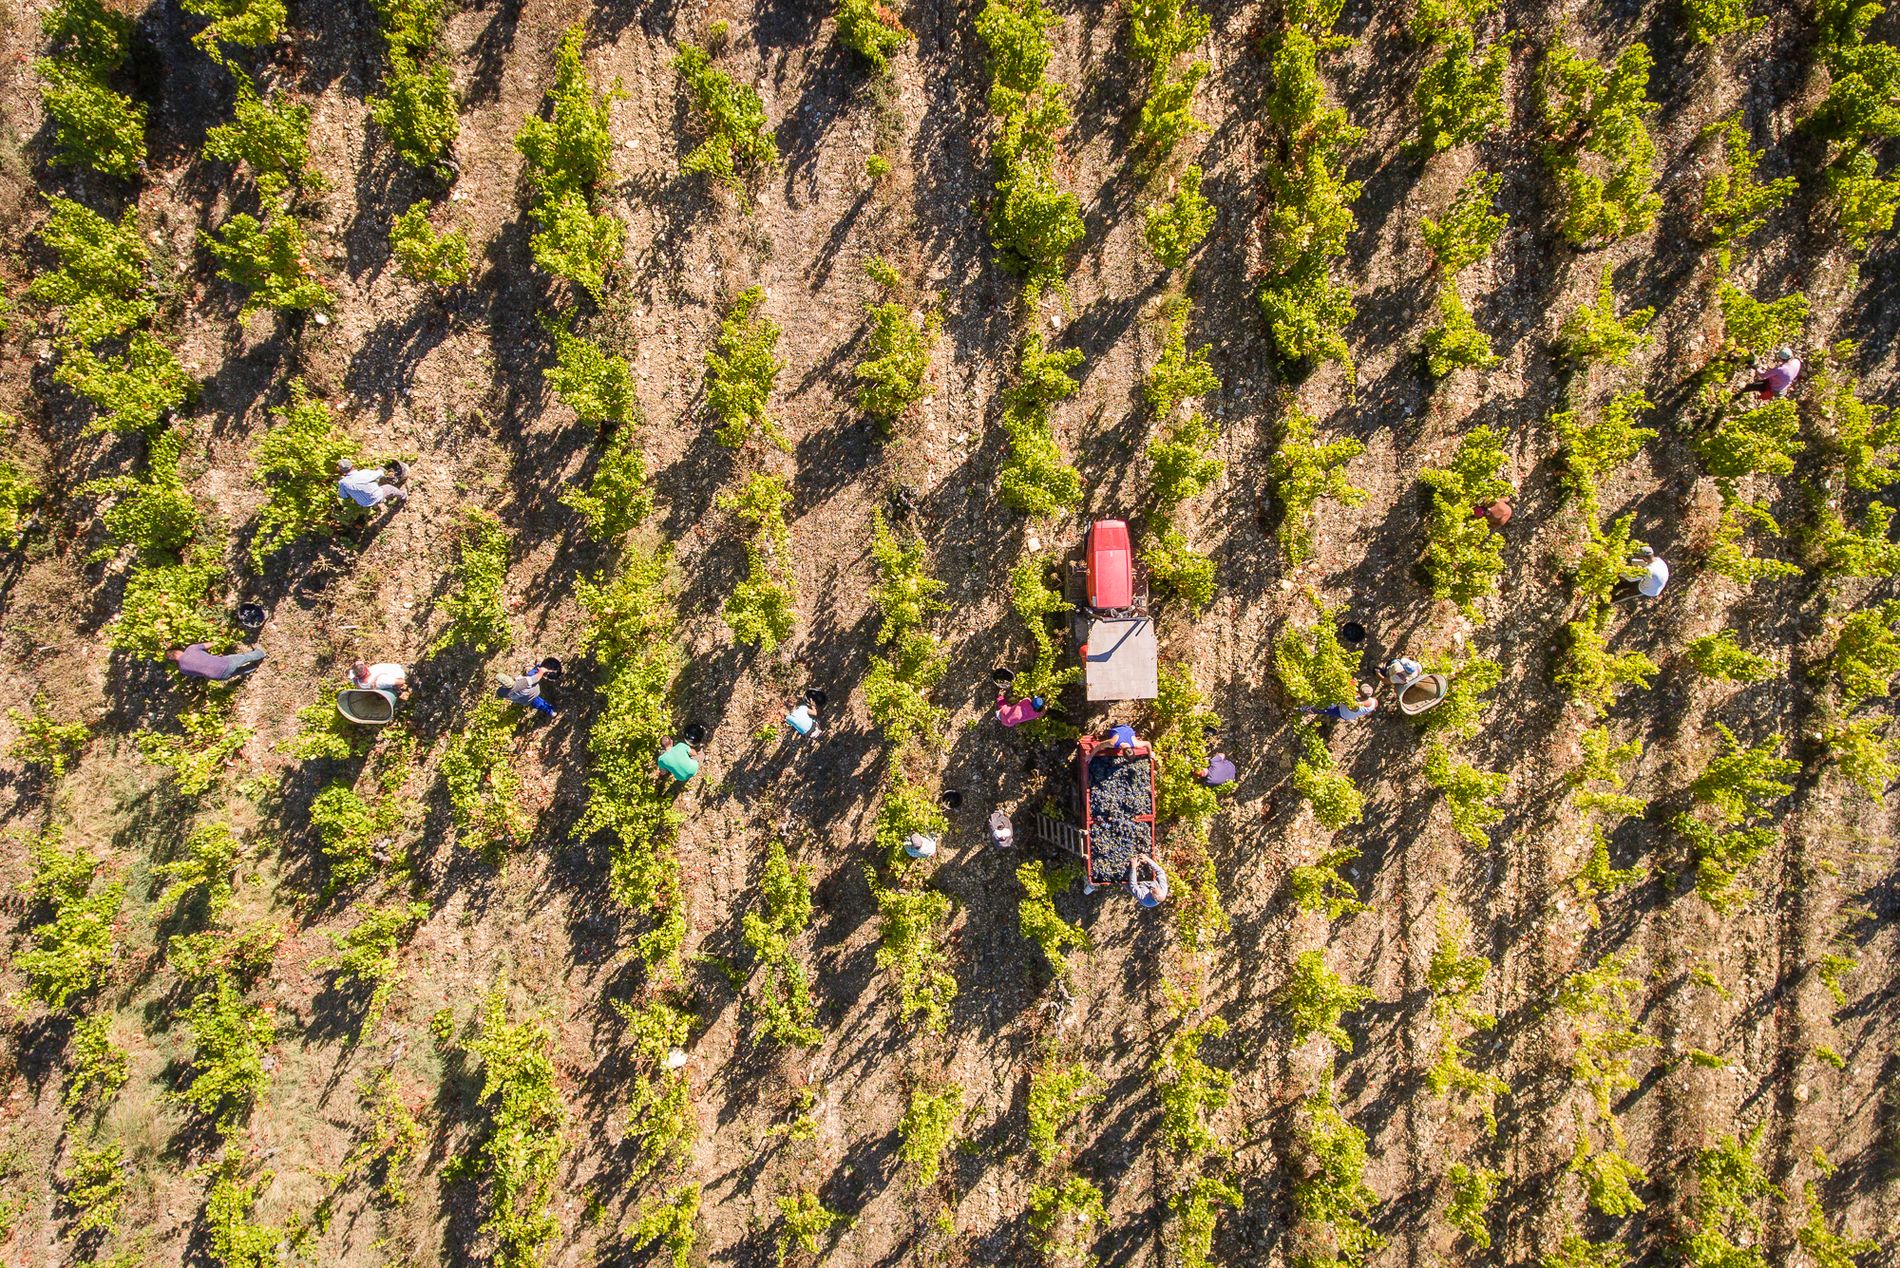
(1111, 810)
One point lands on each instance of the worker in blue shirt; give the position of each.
(1347, 712)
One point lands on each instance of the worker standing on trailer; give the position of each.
(1123, 737)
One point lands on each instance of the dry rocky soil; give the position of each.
(456, 382)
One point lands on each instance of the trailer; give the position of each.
(1114, 634)
(1111, 803)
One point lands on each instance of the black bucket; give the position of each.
(950, 798)
(250, 616)
(1002, 677)
(551, 668)
(816, 698)
(694, 734)
(1352, 634)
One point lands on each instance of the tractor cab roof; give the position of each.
(1111, 569)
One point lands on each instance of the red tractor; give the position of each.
(1111, 566)
(1113, 631)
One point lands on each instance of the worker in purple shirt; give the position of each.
(1123, 738)
(1774, 384)
(1219, 770)
(199, 661)
(371, 486)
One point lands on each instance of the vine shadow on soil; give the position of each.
(485, 57)
(826, 93)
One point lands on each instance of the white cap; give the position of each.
(1784, 353)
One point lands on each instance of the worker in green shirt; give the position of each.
(680, 760)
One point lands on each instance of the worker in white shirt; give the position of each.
(367, 487)
(1655, 574)
(382, 676)
(1146, 881)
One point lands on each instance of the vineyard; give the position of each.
(740, 356)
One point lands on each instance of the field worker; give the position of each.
(1122, 737)
(366, 487)
(1152, 889)
(1774, 384)
(525, 689)
(199, 661)
(802, 716)
(1655, 572)
(1402, 672)
(1368, 701)
(679, 760)
(1020, 712)
(382, 676)
(920, 845)
(1218, 771)
(1497, 513)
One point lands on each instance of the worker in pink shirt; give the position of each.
(1774, 384)
(199, 661)
(1020, 712)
